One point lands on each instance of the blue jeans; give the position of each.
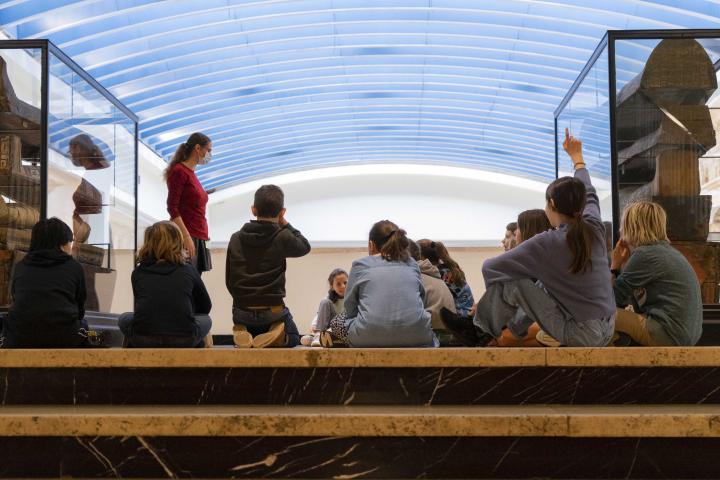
(518, 304)
(203, 323)
(259, 321)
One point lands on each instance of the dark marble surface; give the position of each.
(360, 386)
(436, 457)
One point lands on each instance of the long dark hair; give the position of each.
(568, 197)
(332, 294)
(532, 222)
(184, 149)
(390, 240)
(437, 253)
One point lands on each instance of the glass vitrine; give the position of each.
(68, 149)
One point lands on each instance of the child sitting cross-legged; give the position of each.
(384, 298)
(332, 305)
(172, 305)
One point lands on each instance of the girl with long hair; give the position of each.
(451, 273)
(384, 297)
(571, 299)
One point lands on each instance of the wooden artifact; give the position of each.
(704, 257)
(89, 254)
(663, 127)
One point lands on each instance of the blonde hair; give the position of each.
(644, 223)
(163, 241)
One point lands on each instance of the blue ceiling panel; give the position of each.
(282, 86)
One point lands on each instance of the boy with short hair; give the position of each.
(255, 273)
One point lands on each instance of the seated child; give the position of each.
(656, 279)
(529, 224)
(384, 297)
(451, 273)
(509, 241)
(48, 293)
(437, 294)
(255, 273)
(332, 305)
(557, 278)
(171, 302)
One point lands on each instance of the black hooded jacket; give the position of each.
(167, 296)
(48, 292)
(255, 268)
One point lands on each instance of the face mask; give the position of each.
(206, 159)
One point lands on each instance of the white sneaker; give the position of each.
(306, 340)
(316, 340)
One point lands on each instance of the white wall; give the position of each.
(460, 206)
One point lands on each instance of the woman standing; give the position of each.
(187, 199)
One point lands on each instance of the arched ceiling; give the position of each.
(282, 86)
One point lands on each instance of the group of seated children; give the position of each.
(552, 286)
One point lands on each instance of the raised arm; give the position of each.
(573, 147)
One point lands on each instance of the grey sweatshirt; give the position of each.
(546, 257)
(384, 305)
(663, 286)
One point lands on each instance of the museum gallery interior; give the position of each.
(359, 239)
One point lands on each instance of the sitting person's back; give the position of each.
(48, 293)
(171, 301)
(255, 274)
(657, 280)
(384, 296)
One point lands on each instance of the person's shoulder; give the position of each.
(365, 262)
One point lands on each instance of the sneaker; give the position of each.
(545, 339)
(306, 340)
(274, 337)
(464, 329)
(241, 337)
(316, 340)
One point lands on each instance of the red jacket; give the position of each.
(187, 200)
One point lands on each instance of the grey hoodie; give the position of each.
(437, 293)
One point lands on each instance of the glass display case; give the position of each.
(647, 108)
(68, 149)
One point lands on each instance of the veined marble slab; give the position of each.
(364, 421)
(363, 357)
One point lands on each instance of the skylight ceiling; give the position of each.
(283, 86)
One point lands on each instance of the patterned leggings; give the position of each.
(338, 326)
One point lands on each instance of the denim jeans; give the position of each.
(259, 321)
(203, 323)
(517, 304)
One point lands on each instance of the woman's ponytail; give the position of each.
(567, 195)
(390, 240)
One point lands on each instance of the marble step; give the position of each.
(461, 376)
(617, 421)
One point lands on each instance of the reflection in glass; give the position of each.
(91, 155)
(587, 115)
